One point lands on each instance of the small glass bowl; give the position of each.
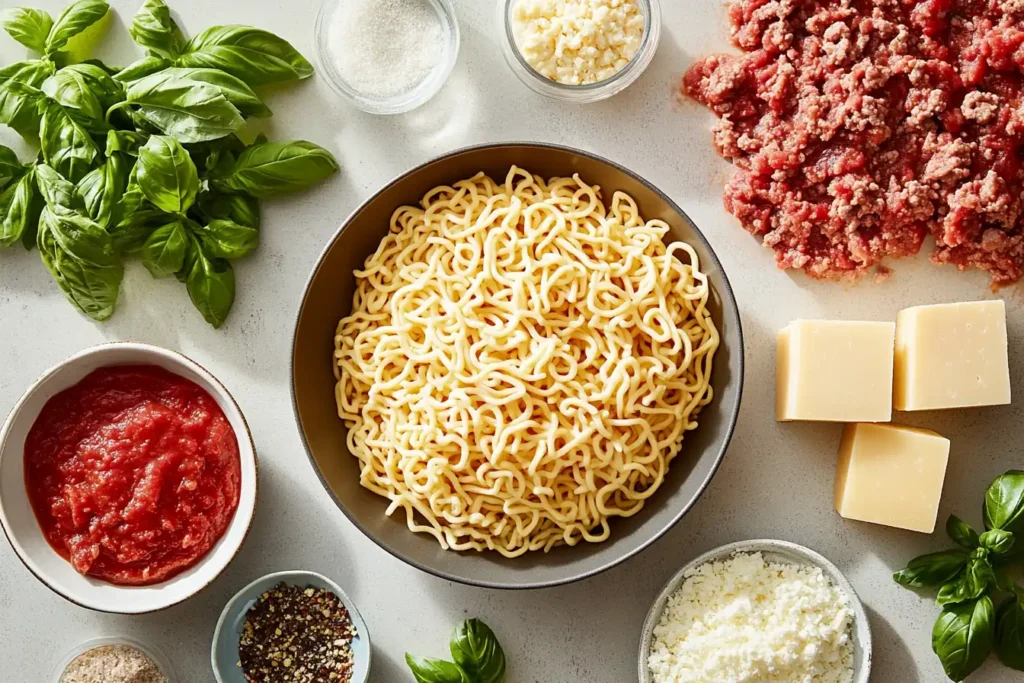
(592, 92)
(402, 102)
(156, 655)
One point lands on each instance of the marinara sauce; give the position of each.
(133, 474)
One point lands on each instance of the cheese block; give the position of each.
(832, 370)
(891, 475)
(951, 356)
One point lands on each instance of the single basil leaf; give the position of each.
(934, 569)
(27, 26)
(142, 68)
(154, 29)
(998, 541)
(166, 174)
(961, 532)
(100, 64)
(107, 90)
(163, 253)
(184, 109)
(102, 188)
(58, 193)
(68, 87)
(10, 167)
(1010, 634)
(256, 56)
(126, 141)
(210, 283)
(275, 167)
(66, 145)
(75, 18)
(225, 239)
(260, 139)
(234, 89)
(81, 257)
(20, 205)
(237, 208)
(963, 636)
(430, 670)
(18, 109)
(1004, 503)
(476, 650)
(972, 582)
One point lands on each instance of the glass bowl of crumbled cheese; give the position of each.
(386, 56)
(579, 50)
(753, 611)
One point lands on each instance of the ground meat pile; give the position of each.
(858, 127)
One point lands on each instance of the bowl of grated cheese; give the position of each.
(753, 611)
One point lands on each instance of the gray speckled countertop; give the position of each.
(776, 480)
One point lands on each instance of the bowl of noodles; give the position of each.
(517, 365)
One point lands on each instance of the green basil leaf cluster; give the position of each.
(477, 653)
(145, 160)
(969, 627)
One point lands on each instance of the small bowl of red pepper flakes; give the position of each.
(291, 627)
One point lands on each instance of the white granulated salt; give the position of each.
(384, 48)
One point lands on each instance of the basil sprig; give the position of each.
(477, 653)
(145, 160)
(967, 578)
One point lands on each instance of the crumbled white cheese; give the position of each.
(748, 621)
(577, 42)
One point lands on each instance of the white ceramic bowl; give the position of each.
(772, 551)
(19, 521)
(156, 655)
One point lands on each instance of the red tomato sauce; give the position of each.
(133, 474)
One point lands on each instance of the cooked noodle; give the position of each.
(521, 362)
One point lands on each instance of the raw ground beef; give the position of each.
(858, 127)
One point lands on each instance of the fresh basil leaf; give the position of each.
(154, 29)
(210, 283)
(106, 89)
(20, 205)
(75, 18)
(166, 174)
(69, 89)
(972, 582)
(260, 139)
(142, 68)
(103, 66)
(961, 532)
(1004, 503)
(998, 541)
(1010, 633)
(963, 636)
(126, 141)
(184, 109)
(237, 208)
(934, 569)
(225, 239)
(430, 670)
(102, 188)
(163, 253)
(58, 193)
(275, 167)
(256, 56)
(477, 651)
(81, 257)
(17, 109)
(234, 89)
(66, 144)
(10, 167)
(27, 26)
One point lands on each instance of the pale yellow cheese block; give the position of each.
(835, 371)
(951, 356)
(891, 475)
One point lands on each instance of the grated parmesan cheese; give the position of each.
(744, 620)
(577, 42)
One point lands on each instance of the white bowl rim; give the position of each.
(293, 576)
(152, 651)
(813, 558)
(231, 405)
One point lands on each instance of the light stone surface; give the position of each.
(776, 481)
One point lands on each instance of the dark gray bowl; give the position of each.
(328, 298)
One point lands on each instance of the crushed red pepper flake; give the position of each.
(297, 635)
